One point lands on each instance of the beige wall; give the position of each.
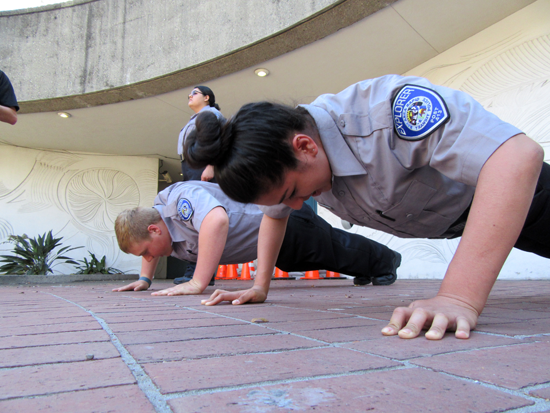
(78, 196)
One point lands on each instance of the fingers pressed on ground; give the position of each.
(415, 324)
(397, 320)
(462, 328)
(438, 327)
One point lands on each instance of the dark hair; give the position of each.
(206, 91)
(251, 152)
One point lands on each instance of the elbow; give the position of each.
(534, 154)
(529, 157)
(12, 118)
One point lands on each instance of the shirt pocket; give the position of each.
(351, 124)
(413, 214)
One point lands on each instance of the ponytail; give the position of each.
(252, 152)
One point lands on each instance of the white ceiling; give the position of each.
(393, 40)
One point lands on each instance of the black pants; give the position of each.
(535, 235)
(311, 243)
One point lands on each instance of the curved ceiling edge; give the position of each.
(307, 31)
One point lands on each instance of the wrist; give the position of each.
(147, 280)
(461, 301)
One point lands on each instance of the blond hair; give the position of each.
(132, 225)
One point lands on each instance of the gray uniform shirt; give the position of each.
(191, 125)
(405, 186)
(183, 207)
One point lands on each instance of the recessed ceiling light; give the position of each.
(261, 72)
(64, 114)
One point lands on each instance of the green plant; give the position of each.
(95, 266)
(34, 256)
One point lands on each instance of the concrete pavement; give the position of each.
(313, 346)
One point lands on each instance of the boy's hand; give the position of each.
(436, 315)
(138, 285)
(252, 295)
(188, 288)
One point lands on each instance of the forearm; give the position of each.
(503, 195)
(148, 268)
(212, 240)
(8, 115)
(270, 239)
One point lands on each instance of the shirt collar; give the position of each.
(342, 160)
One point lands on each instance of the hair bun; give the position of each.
(203, 145)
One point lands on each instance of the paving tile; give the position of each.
(156, 316)
(179, 324)
(381, 312)
(39, 319)
(518, 328)
(53, 338)
(56, 354)
(275, 314)
(218, 347)
(63, 377)
(513, 367)
(182, 334)
(397, 348)
(408, 390)
(543, 393)
(341, 335)
(313, 325)
(119, 399)
(90, 324)
(209, 373)
(495, 312)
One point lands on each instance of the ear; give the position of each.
(154, 229)
(304, 144)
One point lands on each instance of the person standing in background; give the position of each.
(201, 99)
(8, 101)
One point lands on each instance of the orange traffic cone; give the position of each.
(333, 275)
(281, 275)
(232, 272)
(245, 272)
(311, 275)
(252, 267)
(222, 272)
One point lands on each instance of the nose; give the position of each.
(294, 203)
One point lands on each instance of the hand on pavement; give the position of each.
(437, 315)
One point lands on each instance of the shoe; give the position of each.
(390, 278)
(386, 279)
(184, 279)
(361, 281)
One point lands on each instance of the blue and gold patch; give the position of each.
(185, 209)
(417, 112)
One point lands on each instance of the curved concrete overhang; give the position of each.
(104, 51)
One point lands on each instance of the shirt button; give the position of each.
(409, 216)
(342, 123)
(341, 193)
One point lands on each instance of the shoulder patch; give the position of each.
(185, 209)
(417, 112)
